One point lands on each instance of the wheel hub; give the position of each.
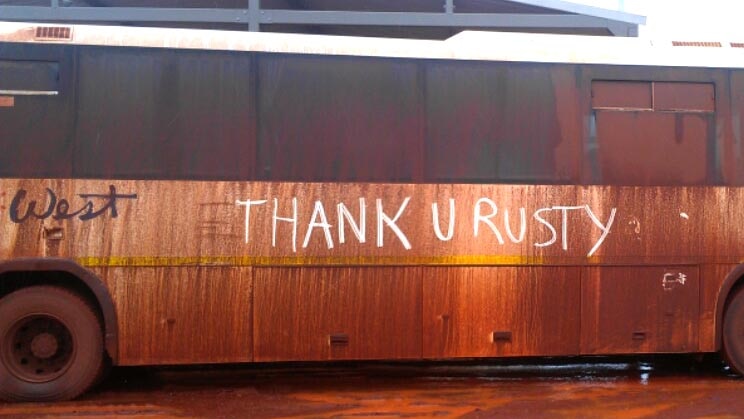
(44, 345)
(40, 349)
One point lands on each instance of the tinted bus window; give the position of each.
(29, 75)
(344, 119)
(34, 115)
(491, 123)
(156, 114)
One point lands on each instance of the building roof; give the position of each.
(425, 19)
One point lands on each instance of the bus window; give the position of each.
(181, 116)
(28, 77)
(491, 123)
(664, 144)
(338, 118)
(34, 121)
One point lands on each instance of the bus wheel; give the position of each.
(51, 345)
(733, 332)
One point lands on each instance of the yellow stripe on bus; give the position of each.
(165, 261)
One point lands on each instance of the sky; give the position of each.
(683, 20)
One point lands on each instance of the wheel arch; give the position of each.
(733, 280)
(88, 279)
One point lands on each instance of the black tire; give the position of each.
(733, 332)
(51, 345)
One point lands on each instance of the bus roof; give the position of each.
(468, 45)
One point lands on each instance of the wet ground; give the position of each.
(673, 387)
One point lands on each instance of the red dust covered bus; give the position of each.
(183, 196)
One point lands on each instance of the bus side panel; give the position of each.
(501, 311)
(17, 240)
(182, 315)
(337, 313)
(639, 309)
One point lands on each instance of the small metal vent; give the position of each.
(53, 33)
(338, 339)
(697, 44)
(737, 45)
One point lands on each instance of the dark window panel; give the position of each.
(117, 115)
(29, 75)
(158, 114)
(492, 123)
(209, 127)
(34, 139)
(338, 119)
(35, 130)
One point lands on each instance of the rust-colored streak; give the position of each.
(676, 96)
(206, 221)
(650, 148)
(501, 312)
(642, 230)
(182, 315)
(7, 101)
(622, 95)
(298, 311)
(722, 234)
(639, 309)
(179, 261)
(568, 108)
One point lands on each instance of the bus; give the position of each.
(179, 196)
